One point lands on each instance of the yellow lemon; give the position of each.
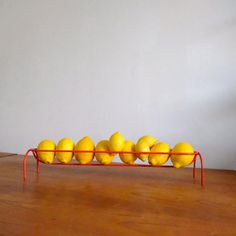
(85, 143)
(159, 159)
(116, 142)
(182, 160)
(65, 144)
(149, 140)
(104, 158)
(142, 146)
(46, 157)
(128, 158)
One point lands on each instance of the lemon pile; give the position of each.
(116, 144)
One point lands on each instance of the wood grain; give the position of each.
(114, 201)
(6, 154)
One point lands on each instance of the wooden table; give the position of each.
(114, 201)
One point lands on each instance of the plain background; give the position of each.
(70, 68)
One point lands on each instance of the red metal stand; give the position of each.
(34, 151)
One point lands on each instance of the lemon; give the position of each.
(182, 160)
(85, 143)
(149, 140)
(142, 146)
(65, 144)
(159, 159)
(104, 158)
(116, 142)
(128, 158)
(46, 157)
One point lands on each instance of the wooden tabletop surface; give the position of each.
(6, 154)
(85, 201)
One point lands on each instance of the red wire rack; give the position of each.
(34, 151)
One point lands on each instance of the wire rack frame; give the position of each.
(35, 152)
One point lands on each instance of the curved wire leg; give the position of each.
(37, 161)
(24, 162)
(202, 170)
(194, 166)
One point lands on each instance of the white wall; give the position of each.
(75, 68)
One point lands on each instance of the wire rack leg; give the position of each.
(24, 164)
(37, 161)
(202, 170)
(194, 166)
